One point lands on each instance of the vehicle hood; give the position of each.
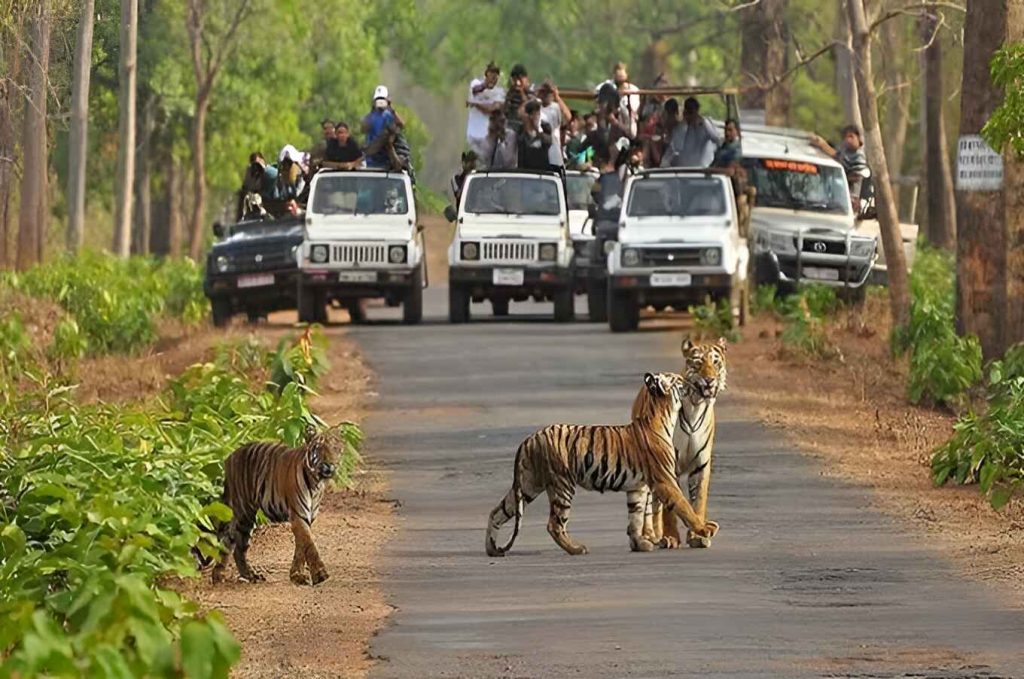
(784, 219)
(253, 240)
(675, 230)
(511, 226)
(360, 227)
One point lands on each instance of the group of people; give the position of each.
(286, 182)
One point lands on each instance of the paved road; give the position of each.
(803, 580)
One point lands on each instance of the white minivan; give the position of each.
(511, 243)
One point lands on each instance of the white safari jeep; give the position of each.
(680, 241)
(511, 243)
(361, 242)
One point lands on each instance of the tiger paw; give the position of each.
(252, 576)
(698, 541)
(641, 545)
(669, 542)
(299, 577)
(708, 530)
(319, 576)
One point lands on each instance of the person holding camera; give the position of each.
(485, 97)
(381, 126)
(520, 91)
(534, 141)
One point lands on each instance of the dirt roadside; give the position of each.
(853, 416)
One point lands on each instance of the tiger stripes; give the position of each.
(288, 484)
(629, 458)
(704, 375)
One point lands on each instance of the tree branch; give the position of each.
(913, 10)
(778, 80)
(227, 42)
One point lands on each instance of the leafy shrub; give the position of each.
(805, 331)
(101, 507)
(765, 300)
(14, 346)
(711, 320)
(943, 365)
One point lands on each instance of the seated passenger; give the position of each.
(694, 141)
(319, 150)
(500, 145)
(728, 155)
(343, 153)
(290, 182)
(459, 178)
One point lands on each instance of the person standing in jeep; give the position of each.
(534, 142)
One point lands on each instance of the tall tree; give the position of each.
(990, 218)
(210, 48)
(78, 137)
(10, 96)
(764, 60)
(143, 186)
(888, 219)
(34, 204)
(893, 41)
(126, 128)
(846, 81)
(940, 223)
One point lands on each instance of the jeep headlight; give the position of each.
(862, 247)
(222, 263)
(711, 256)
(548, 252)
(630, 257)
(396, 254)
(470, 251)
(782, 243)
(318, 254)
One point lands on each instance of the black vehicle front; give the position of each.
(253, 268)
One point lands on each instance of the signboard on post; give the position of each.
(978, 167)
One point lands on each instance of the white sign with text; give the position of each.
(978, 167)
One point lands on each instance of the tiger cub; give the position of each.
(288, 485)
(704, 376)
(631, 458)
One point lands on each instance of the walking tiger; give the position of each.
(631, 458)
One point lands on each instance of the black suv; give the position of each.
(253, 268)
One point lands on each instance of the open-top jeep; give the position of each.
(362, 241)
(511, 243)
(681, 239)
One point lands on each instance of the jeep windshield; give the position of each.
(578, 187)
(798, 185)
(533, 196)
(677, 197)
(359, 195)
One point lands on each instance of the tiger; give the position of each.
(288, 484)
(704, 375)
(631, 458)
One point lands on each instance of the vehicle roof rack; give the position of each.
(654, 171)
(695, 91)
(517, 170)
(376, 170)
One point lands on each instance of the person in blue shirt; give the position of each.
(381, 126)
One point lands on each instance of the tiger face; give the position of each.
(667, 388)
(322, 453)
(704, 367)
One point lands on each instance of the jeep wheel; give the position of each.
(565, 304)
(597, 301)
(220, 308)
(499, 307)
(412, 307)
(458, 304)
(255, 317)
(623, 311)
(356, 311)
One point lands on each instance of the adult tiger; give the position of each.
(704, 375)
(631, 457)
(288, 485)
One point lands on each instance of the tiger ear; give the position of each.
(722, 344)
(687, 346)
(655, 385)
(310, 432)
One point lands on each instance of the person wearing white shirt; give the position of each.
(555, 113)
(485, 96)
(629, 104)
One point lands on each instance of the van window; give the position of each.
(798, 185)
(513, 196)
(339, 194)
(677, 197)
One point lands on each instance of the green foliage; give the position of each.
(765, 300)
(304, 360)
(943, 365)
(711, 321)
(1005, 127)
(101, 508)
(114, 303)
(804, 317)
(14, 346)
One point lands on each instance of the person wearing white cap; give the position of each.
(290, 181)
(378, 125)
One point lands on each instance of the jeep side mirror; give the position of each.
(450, 214)
(218, 229)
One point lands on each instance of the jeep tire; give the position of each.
(458, 304)
(597, 300)
(565, 304)
(623, 311)
(221, 311)
(412, 306)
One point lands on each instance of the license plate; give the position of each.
(819, 274)
(671, 280)
(358, 277)
(509, 276)
(256, 280)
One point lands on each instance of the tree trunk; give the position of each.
(9, 96)
(763, 60)
(888, 219)
(846, 82)
(897, 110)
(174, 216)
(990, 223)
(654, 62)
(199, 174)
(126, 128)
(144, 212)
(940, 222)
(34, 206)
(78, 137)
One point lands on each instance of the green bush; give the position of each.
(804, 330)
(101, 508)
(711, 321)
(943, 365)
(765, 300)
